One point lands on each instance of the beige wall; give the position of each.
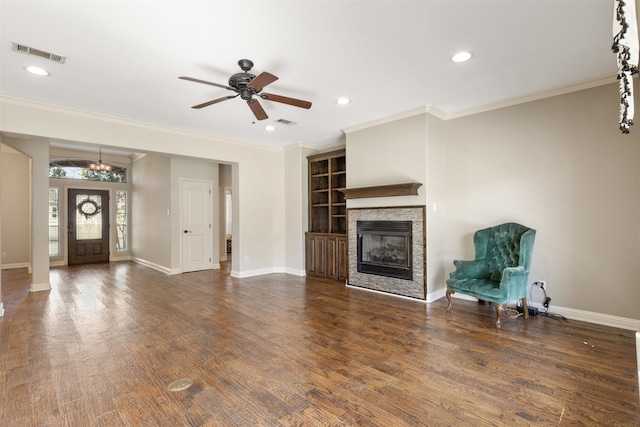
(258, 176)
(15, 179)
(151, 210)
(561, 166)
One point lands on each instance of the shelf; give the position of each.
(407, 189)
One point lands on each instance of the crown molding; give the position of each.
(416, 111)
(562, 90)
(9, 100)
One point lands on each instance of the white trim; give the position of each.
(259, 272)
(488, 107)
(15, 265)
(534, 96)
(393, 118)
(1, 309)
(593, 317)
(436, 295)
(375, 291)
(637, 351)
(39, 287)
(21, 102)
(295, 272)
(123, 257)
(153, 265)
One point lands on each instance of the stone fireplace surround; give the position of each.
(415, 288)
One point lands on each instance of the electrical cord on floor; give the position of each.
(514, 313)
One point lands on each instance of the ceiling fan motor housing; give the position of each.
(240, 80)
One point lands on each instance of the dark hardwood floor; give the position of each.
(102, 347)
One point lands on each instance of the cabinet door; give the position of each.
(342, 258)
(320, 256)
(310, 254)
(332, 252)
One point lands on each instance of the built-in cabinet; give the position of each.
(326, 240)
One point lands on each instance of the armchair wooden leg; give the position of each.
(525, 309)
(499, 308)
(448, 294)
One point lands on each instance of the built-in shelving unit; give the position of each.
(326, 240)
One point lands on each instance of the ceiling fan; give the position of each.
(246, 85)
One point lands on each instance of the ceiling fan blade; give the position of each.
(215, 101)
(286, 100)
(191, 79)
(261, 80)
(257, 109)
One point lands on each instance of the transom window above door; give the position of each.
(81, 169)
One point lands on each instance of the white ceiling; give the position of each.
(389, 57)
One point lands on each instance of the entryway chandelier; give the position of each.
(100, 167)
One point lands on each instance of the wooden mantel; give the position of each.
(408, 189)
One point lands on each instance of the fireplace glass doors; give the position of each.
(384, 248)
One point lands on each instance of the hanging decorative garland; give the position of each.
(625, 44)
(89, 208)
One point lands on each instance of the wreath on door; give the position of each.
(89, 208)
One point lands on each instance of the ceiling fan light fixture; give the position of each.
(462, 56)
(343, 100)
(37, 70)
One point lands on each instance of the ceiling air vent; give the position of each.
(286, 122)
(37, 52)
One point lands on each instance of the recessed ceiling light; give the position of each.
(269, 128)
(343, 101)
(37, 70)
(462, 57)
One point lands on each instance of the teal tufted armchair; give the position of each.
(500, 272)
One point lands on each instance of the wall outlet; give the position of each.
(4, 254)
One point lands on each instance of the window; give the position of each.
(79, 169)
(54, 221)
(121, 220)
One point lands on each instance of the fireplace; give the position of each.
(387, 249)
(384, 248)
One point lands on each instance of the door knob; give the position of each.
(187, 231)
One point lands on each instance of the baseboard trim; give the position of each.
(593, 317)
(295, 272)
(152, 265)
(569, 313)
(15, 265)
(39, 287)
(258, 272)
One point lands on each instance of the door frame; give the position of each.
(68, 217)
(209, 233)
(64, 220)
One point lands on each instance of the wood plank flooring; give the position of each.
(101, 348)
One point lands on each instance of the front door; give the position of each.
(196, 225)
(88, 228)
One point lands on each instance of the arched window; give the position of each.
(81, 169)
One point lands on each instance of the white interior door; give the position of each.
(197, 233)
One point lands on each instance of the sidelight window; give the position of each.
(54, 221)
